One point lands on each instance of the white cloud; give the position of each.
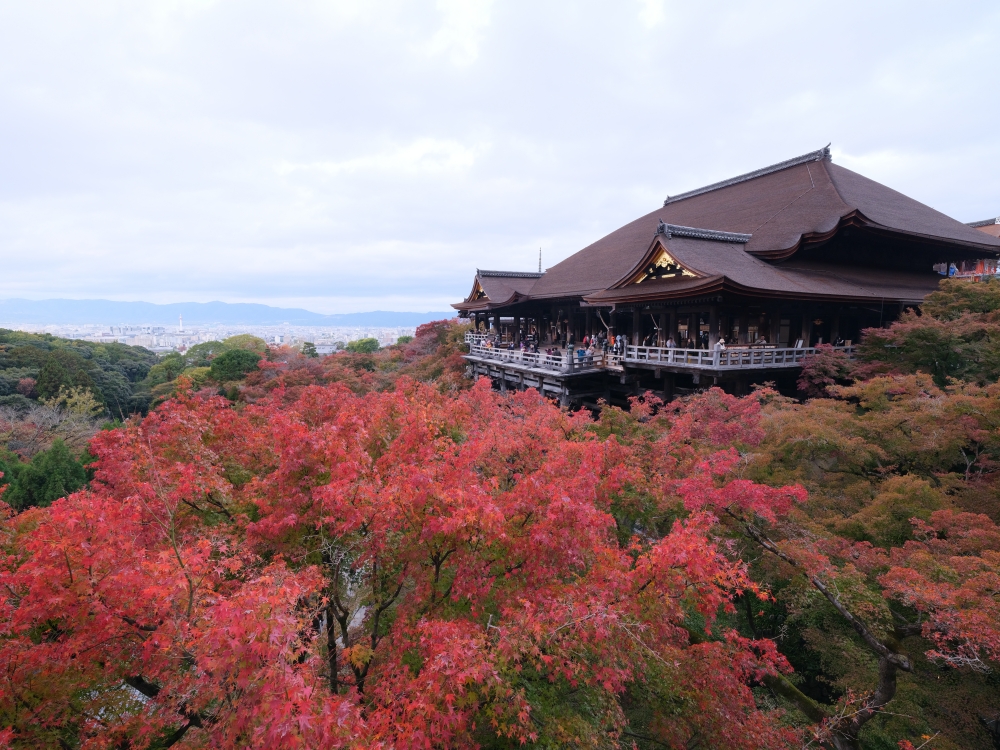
(652, 12)
(372, 153)
(461, 30)
(421, 156)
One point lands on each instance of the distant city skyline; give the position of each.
(353, 156)
(96, 311)
(163, 339)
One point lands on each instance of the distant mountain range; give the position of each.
(106, 312)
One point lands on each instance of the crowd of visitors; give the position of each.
(608, 344)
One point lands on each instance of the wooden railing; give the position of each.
(731, 358)
(562, 360)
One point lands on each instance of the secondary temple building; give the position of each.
(728, 284)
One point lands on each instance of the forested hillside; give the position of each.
(368, 550)
(36, 367)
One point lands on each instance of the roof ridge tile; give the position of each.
(670, 230)
(983, 223)
(510, 274)
(822, 154)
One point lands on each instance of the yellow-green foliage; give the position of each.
(245, 341)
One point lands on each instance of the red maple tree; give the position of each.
(402, 569)
(412, 568)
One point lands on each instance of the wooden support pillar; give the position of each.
(774, 318)
(613, 323)
(713, 326)
(835, 329)
(636, 327)
(744, 323)
(517, 331)
(806, 329)
(672, 327)
(661, 337)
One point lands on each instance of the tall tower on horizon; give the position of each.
(180, 324)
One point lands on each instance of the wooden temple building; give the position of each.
(989, 226)
(772, 262)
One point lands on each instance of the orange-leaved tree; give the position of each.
(400, 569)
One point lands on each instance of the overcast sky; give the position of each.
(351, 155)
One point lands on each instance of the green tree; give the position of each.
(52, 474)
(404, 339)
(166, 369)
(956, 335)
(115, 391)
(234, 365)
(52, 377)
(956, 297)
(28, 356)
(309, 349)
(363, 346)
(201, 355)
(247, 342)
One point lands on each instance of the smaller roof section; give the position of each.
(675, 230)
(990, 226)
(495, 288)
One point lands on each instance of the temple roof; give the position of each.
(717, 266)
(988, 226)
(498, 288)
(765, 219)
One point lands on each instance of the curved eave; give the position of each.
(720, 284)
(710, 285)
(859, 220)
(486, 304)
(654, 249)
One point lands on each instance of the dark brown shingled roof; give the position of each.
(781, 208)
(886, 207)
(989, 226)
(727, 266)
(983, 223)
(500, 287)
